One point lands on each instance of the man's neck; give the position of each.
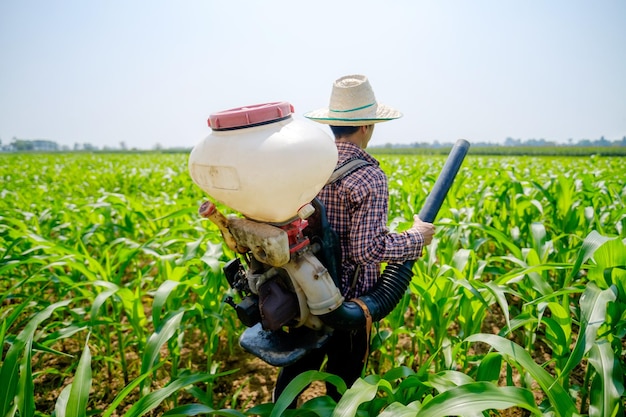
(356, 139)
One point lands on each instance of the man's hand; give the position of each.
(426, 229)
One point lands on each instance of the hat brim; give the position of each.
(383, 114)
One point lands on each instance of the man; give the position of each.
(356, 207)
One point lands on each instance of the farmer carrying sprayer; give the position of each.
(356, 207)
(311, 231)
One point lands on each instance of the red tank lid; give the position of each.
(250, 115)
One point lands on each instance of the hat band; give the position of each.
(355, 109)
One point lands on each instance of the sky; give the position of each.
(143, 73)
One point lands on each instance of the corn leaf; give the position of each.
(79, 393)
(160, 298)
(101, 298)
(317, 407)
(531, 256)
(592, 242)
(559, 397)
(61, 404)
(127, 390)
(149, 402)
(558, 327)
(297, 385)
(158, 339)
(593, 304)
(362, 391)
(398, 372)
(3, 331)
(10, 367)
(610, 266)
(25, 394)
(476, 397)
(489, 367)
(400, 410)
(498, 292)
(500, 238)
(446, 380)
(538, 232)
(607, 387)
(196, 409)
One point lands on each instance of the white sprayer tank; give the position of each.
(261, 162)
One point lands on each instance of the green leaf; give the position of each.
(319, 406)
(539, 283)
(195, 409)
(446, 380)
(160, 298)
(128, 389)
(558, 396)
(25, 395)
(158, 339)
(538, 232)
(298, 384)
(498, 292)
(3, 331)
(61, 404)
(400, 410)
(500, 238)
(558, 327)
(191, 249)
(152, 400)
(361, 391)
(593, 304)
(605, 396)
(592, 242)
(10, 366)
(99, 301)
(489, 367)
(397, 373)
(610, 261)
(477, 397)
(79, 394)
(189, 211)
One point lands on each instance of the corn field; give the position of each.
(112, 293)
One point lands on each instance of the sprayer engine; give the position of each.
(284, 282)
(289, 265)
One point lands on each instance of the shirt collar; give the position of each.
(349, 150)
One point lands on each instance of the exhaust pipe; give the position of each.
(395, 279)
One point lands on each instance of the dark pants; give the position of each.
(346, 359)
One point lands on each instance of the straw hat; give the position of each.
(352, 103)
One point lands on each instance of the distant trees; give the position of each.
(22, 145)
(26, 145)
(602, 141)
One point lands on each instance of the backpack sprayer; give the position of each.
(269, 167)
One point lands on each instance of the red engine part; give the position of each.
(297, 240)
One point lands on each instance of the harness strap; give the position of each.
(341, 171)
(346, 168)
(368, 325)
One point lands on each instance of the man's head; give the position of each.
(353, 103)
(359, 135)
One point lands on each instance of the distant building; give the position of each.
(27, 145)
(7, 148)
(44, 145)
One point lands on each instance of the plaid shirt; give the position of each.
(357, 207)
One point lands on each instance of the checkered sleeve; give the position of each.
(370, 241)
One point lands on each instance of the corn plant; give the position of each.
(109, 278)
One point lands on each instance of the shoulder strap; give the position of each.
(346, 168)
